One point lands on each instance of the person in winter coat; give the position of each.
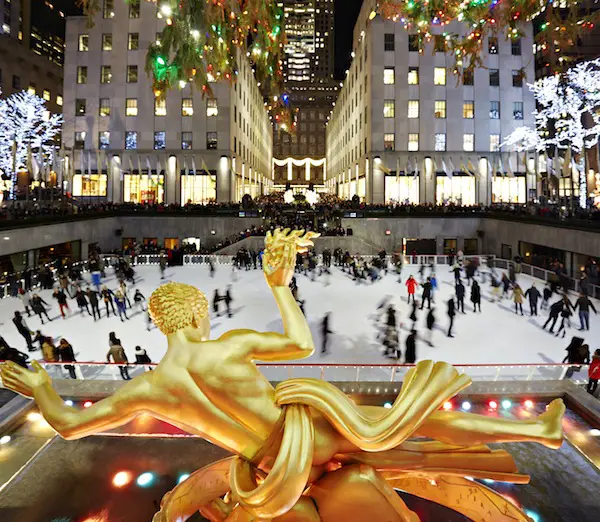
(410, 356)
(66, 355)
(141, 356)
(456, 269)
(476, 296)
(92, 297)
(139, 299)
(39, 338)
(496, 284)
(427, 290)
(81, 300)
(228, 299)
(411, 285)
(37, 305)
(8, 353)
(546, 297)
(430, 322)
(577, 353)
(555, 311)
(533, 294)
(123, 288)
(434, 286)
(565, 316)
(518, 299)
(451, 314)
(505, 286)
(107, 297)
(584, 305)
(594, 373)
(117, 353)
(216, 299)
(25, 297)
(413, 313)
(49, 352)
(391, 316)
(391, 341)
(460, 296)
(325, 331)
(24, 330)
(470, 269)
(121, 305)
(61, 297)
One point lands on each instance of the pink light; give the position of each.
(87, 404)
(448, 406)
(493, 405)
(528, 404)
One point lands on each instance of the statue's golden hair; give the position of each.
(174, 306)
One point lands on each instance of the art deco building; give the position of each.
(125, 144)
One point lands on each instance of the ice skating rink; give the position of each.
(496, 336)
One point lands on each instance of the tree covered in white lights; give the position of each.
(27, 133)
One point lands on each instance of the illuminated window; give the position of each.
(518, 110)
(131, 140)
(186, 141)
(389, 42)
(413, 108)
(160, 107)
(160, 140)
(80, 139)
(202, 189)
(79, 107)
(389, 109)
(389, 141)
(493, 45)
(211, 141)
(494, 142)
(389, 76)
(84, 40)
(107, 42)
(413, 76)
(439, 76)
(31, 90)
(413, 43)
(494, 78)
(440, 142)
(131, 107)
(91, 185)
(517, 78)
(413, 142)
(212, 109)
(138, 188)
(104, 140)
(494, 110)
(134, 8)
(440, 109)
(104, 106)
(515, 47)
(109, 9)
(439, 43)
(105, 74)
(468, 77)
(46, 95)
(59, 100)
(133, 41)
(468, 142)
(468, 110)
(132, 74)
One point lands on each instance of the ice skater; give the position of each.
(555, 311)
(141, 356)
(584, 304)
(81, 301)
(61, 297)
(162, 264)
(410, 357)
(228, 299)
(66, 355)
(547, 296)
(426, 296)
(107, 296)
(92, 297)
(413, 313)
(121, 305)
(430, 322)
(38, 305)
(411, 285)
(518, 299)
(594, 373)
(534, 295)
(216, 299)
(139, 299)
(118, 355)
(476, 295)
(123, 288)
(24, 330)
(451, 313)
(505, 286)
(325, 331)
(565, 316)
(460, 296)
(25, 297)
(456, 269)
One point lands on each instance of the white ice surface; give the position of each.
(496, 336)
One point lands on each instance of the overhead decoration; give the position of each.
(558, 25)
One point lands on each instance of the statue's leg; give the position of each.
(467, 429)
(303, 511)
(358, 493)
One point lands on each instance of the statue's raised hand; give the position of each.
(279, 258)
(20, 380)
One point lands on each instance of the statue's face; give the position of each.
(200, 331)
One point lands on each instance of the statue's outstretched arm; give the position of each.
(70, 422)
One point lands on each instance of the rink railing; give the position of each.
(345, 372)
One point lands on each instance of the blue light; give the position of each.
(489, 481)
(285, 98)
(506, 404)
(533, 515)
(68, 402)
(182, 478)
(387, 405)
(145, 479)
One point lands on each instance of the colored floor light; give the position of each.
(493, 405)
(5, 440)
(533, 515)
(121, 479)
(68, 402)
(87, 404)
(528, 404)
(448, 406)
(594, 432)
(387, 405)
(145, 479)
(182, 478)
(34, 416)
(506, 404)
(466, 406)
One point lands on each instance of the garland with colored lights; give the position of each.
(557, 28)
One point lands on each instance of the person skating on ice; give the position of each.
(518, 299)
(430, 323)
(410, 357)
(81, 301)
(456, 270)
(141, 356)
(216, 299)
(411, 285)
(118, 355)
(476, 295)
(92, 297)
(566, 313)
(25, 297)
(594, 373)
(413, 313)
(24, 330)
(228, 299)
(555, 311)
(325, 331)
(451, 313)
(534, 295)
(107, 297)
(61, 298)
(66, 355)
(547, 296)
(506, 284)
(434, 286)
(584, 304)
(38, 305)
(426, 296)
(460, 296)
(391, 342)
(139, 299)
(124, 291)
(121, 305)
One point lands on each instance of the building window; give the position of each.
(494, 78)
(131, 140)
(493, 45)
(389, 141)
(107, 42)
(413, 142)
(16, 82)
(80, 140)
(515, 47)
(413, 43)
(79, 107)
(187, 107)
(134, 8)
(494, 110)
(440, 142)
(105, 74)
(212, 109)
(469, 109)
(468, 77)
(84, 40)
(46, 95)
(160, 140)
(132, 74)
(104, 140)
(389, 109)
(81, 74)
(413, 76)
(109, 9)
(494, 142)
(31, 90)
(160, 107)
(211, 141)
(413, 109)
(131, 107)
(517, 78)
(91, 185)
(186, 141)
(389, 42)
(518, 110)
(59, 100)
(468, 142)
(104, 106)
(439, 43)
(133, 41)
(439, 76)
(440, 109)
(389, 76)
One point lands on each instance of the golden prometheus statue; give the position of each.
(303, 452)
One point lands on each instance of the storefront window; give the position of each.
(459, 190)
(143, 188)
(509, 189)
(92, 185)
(402, 189)
(199, 188)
